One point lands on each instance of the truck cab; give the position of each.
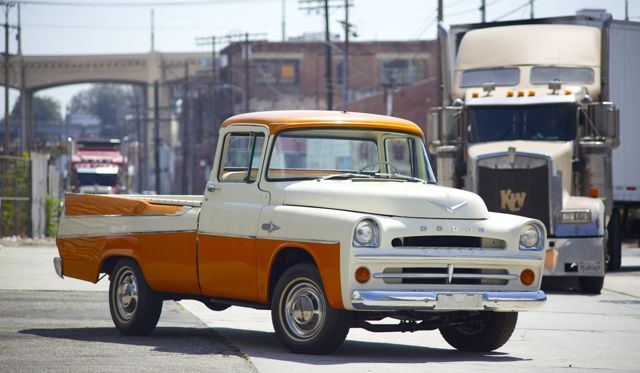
(530, 129)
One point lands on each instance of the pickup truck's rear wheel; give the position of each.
(302, 318)
(135, 307)
(489, 332)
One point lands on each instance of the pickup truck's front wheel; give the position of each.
(488, 332)
(135, 307)
(302, 318)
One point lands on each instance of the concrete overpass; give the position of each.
(32, 73)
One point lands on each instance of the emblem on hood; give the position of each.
(449, 209)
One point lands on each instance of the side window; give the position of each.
(241, 157)
(400, 152)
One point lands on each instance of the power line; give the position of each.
(120, 4)
(514, 10)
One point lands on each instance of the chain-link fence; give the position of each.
(15, 196)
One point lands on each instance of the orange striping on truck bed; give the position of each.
(91, 204)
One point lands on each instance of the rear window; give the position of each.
(499, 76)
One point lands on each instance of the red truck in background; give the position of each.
(98, 166)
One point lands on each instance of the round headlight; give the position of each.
(366, 234)
(529, 237)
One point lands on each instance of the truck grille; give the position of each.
(521, 188)
(445, 276)
(448, 242)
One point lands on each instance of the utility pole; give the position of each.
(247, 73)
(7, 127)
(206, 41)
(626, 10)
(483, 11)
(324, 6)
(328, 73)
(156, 134)
(440, 67)
(153, 32)
(345, 61)
(187, 138)
(283, 21)
(531, 9)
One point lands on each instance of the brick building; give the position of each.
(291, 75)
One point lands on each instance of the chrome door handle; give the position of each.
(211, 187)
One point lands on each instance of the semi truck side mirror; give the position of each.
(605, 123)
(443, 127)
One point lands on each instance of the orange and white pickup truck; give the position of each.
(330, 219)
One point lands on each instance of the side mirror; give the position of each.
(443, 127)
(604, 123)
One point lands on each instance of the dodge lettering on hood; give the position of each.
(331, 220)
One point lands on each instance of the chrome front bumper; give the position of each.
(372, 300)
(57, 266)
(574, 256)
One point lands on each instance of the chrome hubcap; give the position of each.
(304, 310)
(126, 294)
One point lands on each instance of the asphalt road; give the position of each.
(57, 325)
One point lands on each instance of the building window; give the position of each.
(399, 72)
(279, 72)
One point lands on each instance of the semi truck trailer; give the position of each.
(541, 119)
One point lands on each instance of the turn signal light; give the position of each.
(510, 94)
(594, 192)
(363, 275)
(532, 93)
(475, 95)
(567, 92)
(520, 93)
(527, 277)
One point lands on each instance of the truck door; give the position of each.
(230, 214)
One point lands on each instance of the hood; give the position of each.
(391, 198)
(559, 152)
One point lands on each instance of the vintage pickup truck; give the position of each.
(330, 219)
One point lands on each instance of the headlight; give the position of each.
(531, 237)
(581, 216)
(366, 234)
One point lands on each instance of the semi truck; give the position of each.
(98, 166)
(541, 118)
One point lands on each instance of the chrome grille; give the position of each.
(449, 275)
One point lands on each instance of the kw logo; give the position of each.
(510, 201)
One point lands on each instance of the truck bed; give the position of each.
(158, 231)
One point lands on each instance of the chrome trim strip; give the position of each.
(181, 212)
(293, 240)
(374, 300)
(369, 256)
(121, 234)
(444, 275)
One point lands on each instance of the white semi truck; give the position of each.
(542, 119)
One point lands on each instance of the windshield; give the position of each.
(541, 122)
(97, 179)
(332, 153)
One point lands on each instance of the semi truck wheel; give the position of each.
(614, 242)
(490, 332)
(303, 320)
(135, 307)
(591, 285)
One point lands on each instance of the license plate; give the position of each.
(459, 301)
(589, 266)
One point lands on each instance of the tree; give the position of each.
(109, 102)
(45, 109)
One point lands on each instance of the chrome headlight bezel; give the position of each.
(366, 234)
(531, 237)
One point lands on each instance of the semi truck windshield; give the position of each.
(540, 122)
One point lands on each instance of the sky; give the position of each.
(61, 27)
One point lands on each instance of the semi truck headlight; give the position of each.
(578, 216)
(531, 237)
(366, 234)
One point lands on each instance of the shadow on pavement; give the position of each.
(266, 345)
(190, 341)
